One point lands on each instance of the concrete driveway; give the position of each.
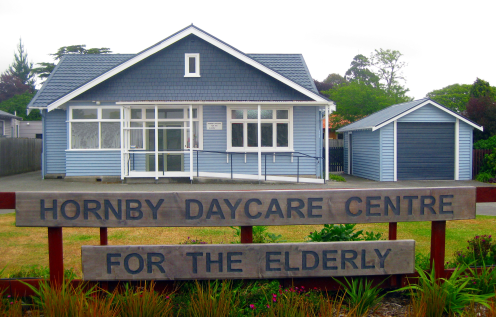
(33, 182)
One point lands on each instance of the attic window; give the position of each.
(192, 65)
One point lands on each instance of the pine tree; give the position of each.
(21, 68)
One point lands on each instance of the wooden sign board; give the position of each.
(242, 208)
(248, 261)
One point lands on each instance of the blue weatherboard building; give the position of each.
(188, 106)
(417, 140)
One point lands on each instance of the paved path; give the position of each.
(33, 182)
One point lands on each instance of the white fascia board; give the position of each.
(420, 106)
(172, 40)
(207, 103)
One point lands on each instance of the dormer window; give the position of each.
(192, 65)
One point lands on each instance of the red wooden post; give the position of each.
(55, 255)
(246, 234)
(103, 236)
(393, 231)
(393, 235)
(7, 200)
(438, 246)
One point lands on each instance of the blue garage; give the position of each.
(417, 140)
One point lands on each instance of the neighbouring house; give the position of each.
(30, 129)
(417, 140)
(189, 106)
(9, 125)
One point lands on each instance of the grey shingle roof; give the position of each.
(381, 116)
(9, 115)
(291, 66)
(73, 71)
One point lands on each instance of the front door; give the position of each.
(170, 140)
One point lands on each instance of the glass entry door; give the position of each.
(170, 139)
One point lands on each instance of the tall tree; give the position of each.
(21, 67)
(322, 86)
(358, 99)
(481, 109)
(454, 96)
(388, 66)
(360, 72)
(44, 69)
(335, 80)
(11, 85)
(18, 104)
(481, 88)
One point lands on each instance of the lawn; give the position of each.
(24, 247)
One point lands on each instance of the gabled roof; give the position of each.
(4, 114)
(72, 72)
(291, 66)
(387, 115)
(76, 74)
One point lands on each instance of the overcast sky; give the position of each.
(443, 42)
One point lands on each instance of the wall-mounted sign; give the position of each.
(238, 261)
(214, 125)
(242, 208)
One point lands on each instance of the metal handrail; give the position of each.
(296, 155)
(291, 154)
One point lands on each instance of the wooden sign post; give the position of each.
(246, 209)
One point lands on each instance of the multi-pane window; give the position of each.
(95, 128)
(172, 129)
(276, 128)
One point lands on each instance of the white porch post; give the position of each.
(326, 143)
(156, 142)
(123, 146)
(457, 149)
(259, 130)
(395, 151)
(191, 142)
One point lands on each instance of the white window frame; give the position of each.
(98, 120)
(185, 120)
(2, 131)
(187, 73)
(245, 122)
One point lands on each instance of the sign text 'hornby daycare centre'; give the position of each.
(242, 208)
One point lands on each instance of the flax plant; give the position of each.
(361, 295)
(330, 307)
(215, 299)
(62, 300)
(445, 296)
(143, 301)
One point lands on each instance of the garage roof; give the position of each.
(385, 116)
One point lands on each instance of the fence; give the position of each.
(478, 160)
(336, 158)
(19, 155)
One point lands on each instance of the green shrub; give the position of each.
(39, 271)
(489, 164)
(336, 178)
(483, 177)
(481, 250)
(345, 232)
(422, 261)
(260, 235)
(487, 144)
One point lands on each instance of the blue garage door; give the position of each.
(426, 150)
